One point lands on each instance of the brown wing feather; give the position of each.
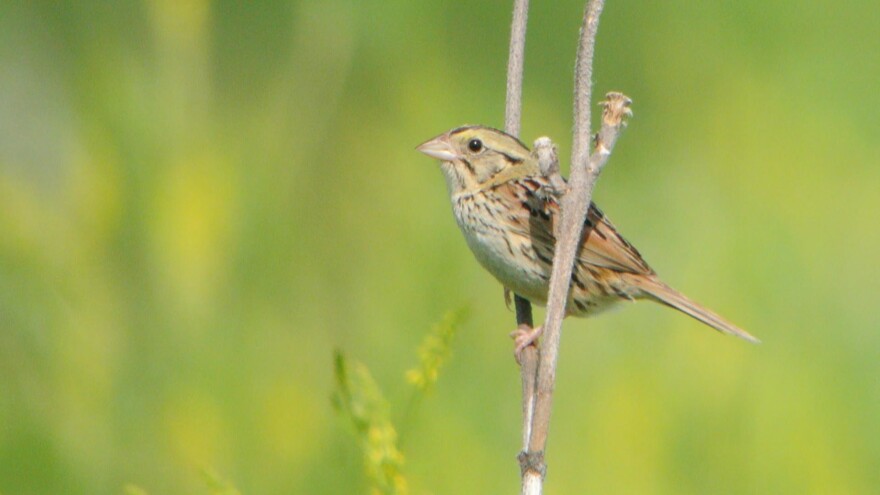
(605, 247)
(602, 246)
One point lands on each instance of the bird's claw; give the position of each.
(523, 337)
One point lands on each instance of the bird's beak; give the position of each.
(439, 148)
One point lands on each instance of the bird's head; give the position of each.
(472, 156)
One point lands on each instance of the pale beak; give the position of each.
(439, 148)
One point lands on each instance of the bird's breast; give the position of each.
(506, 254)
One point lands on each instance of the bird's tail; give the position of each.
(664, 294)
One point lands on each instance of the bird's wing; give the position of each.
(605, 247)
(534, 212)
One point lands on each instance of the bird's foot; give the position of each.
(525, 336)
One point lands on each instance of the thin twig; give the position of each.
(515, 60)
(583, 81)
(574, 204)
(512, 119)
(574, 212)
(616, 108)
(528, 370)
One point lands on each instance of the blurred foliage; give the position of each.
(358, 398)
(435, 350)
(200, 200)
(218, 486)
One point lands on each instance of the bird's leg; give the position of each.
(525, 336)
(507, 297)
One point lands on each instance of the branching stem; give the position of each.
(538, 368)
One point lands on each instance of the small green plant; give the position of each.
(435, 350)
(359, 399)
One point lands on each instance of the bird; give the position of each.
(507, 209)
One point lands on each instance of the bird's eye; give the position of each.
(475, 145)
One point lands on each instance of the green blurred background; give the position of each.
(200, 200)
